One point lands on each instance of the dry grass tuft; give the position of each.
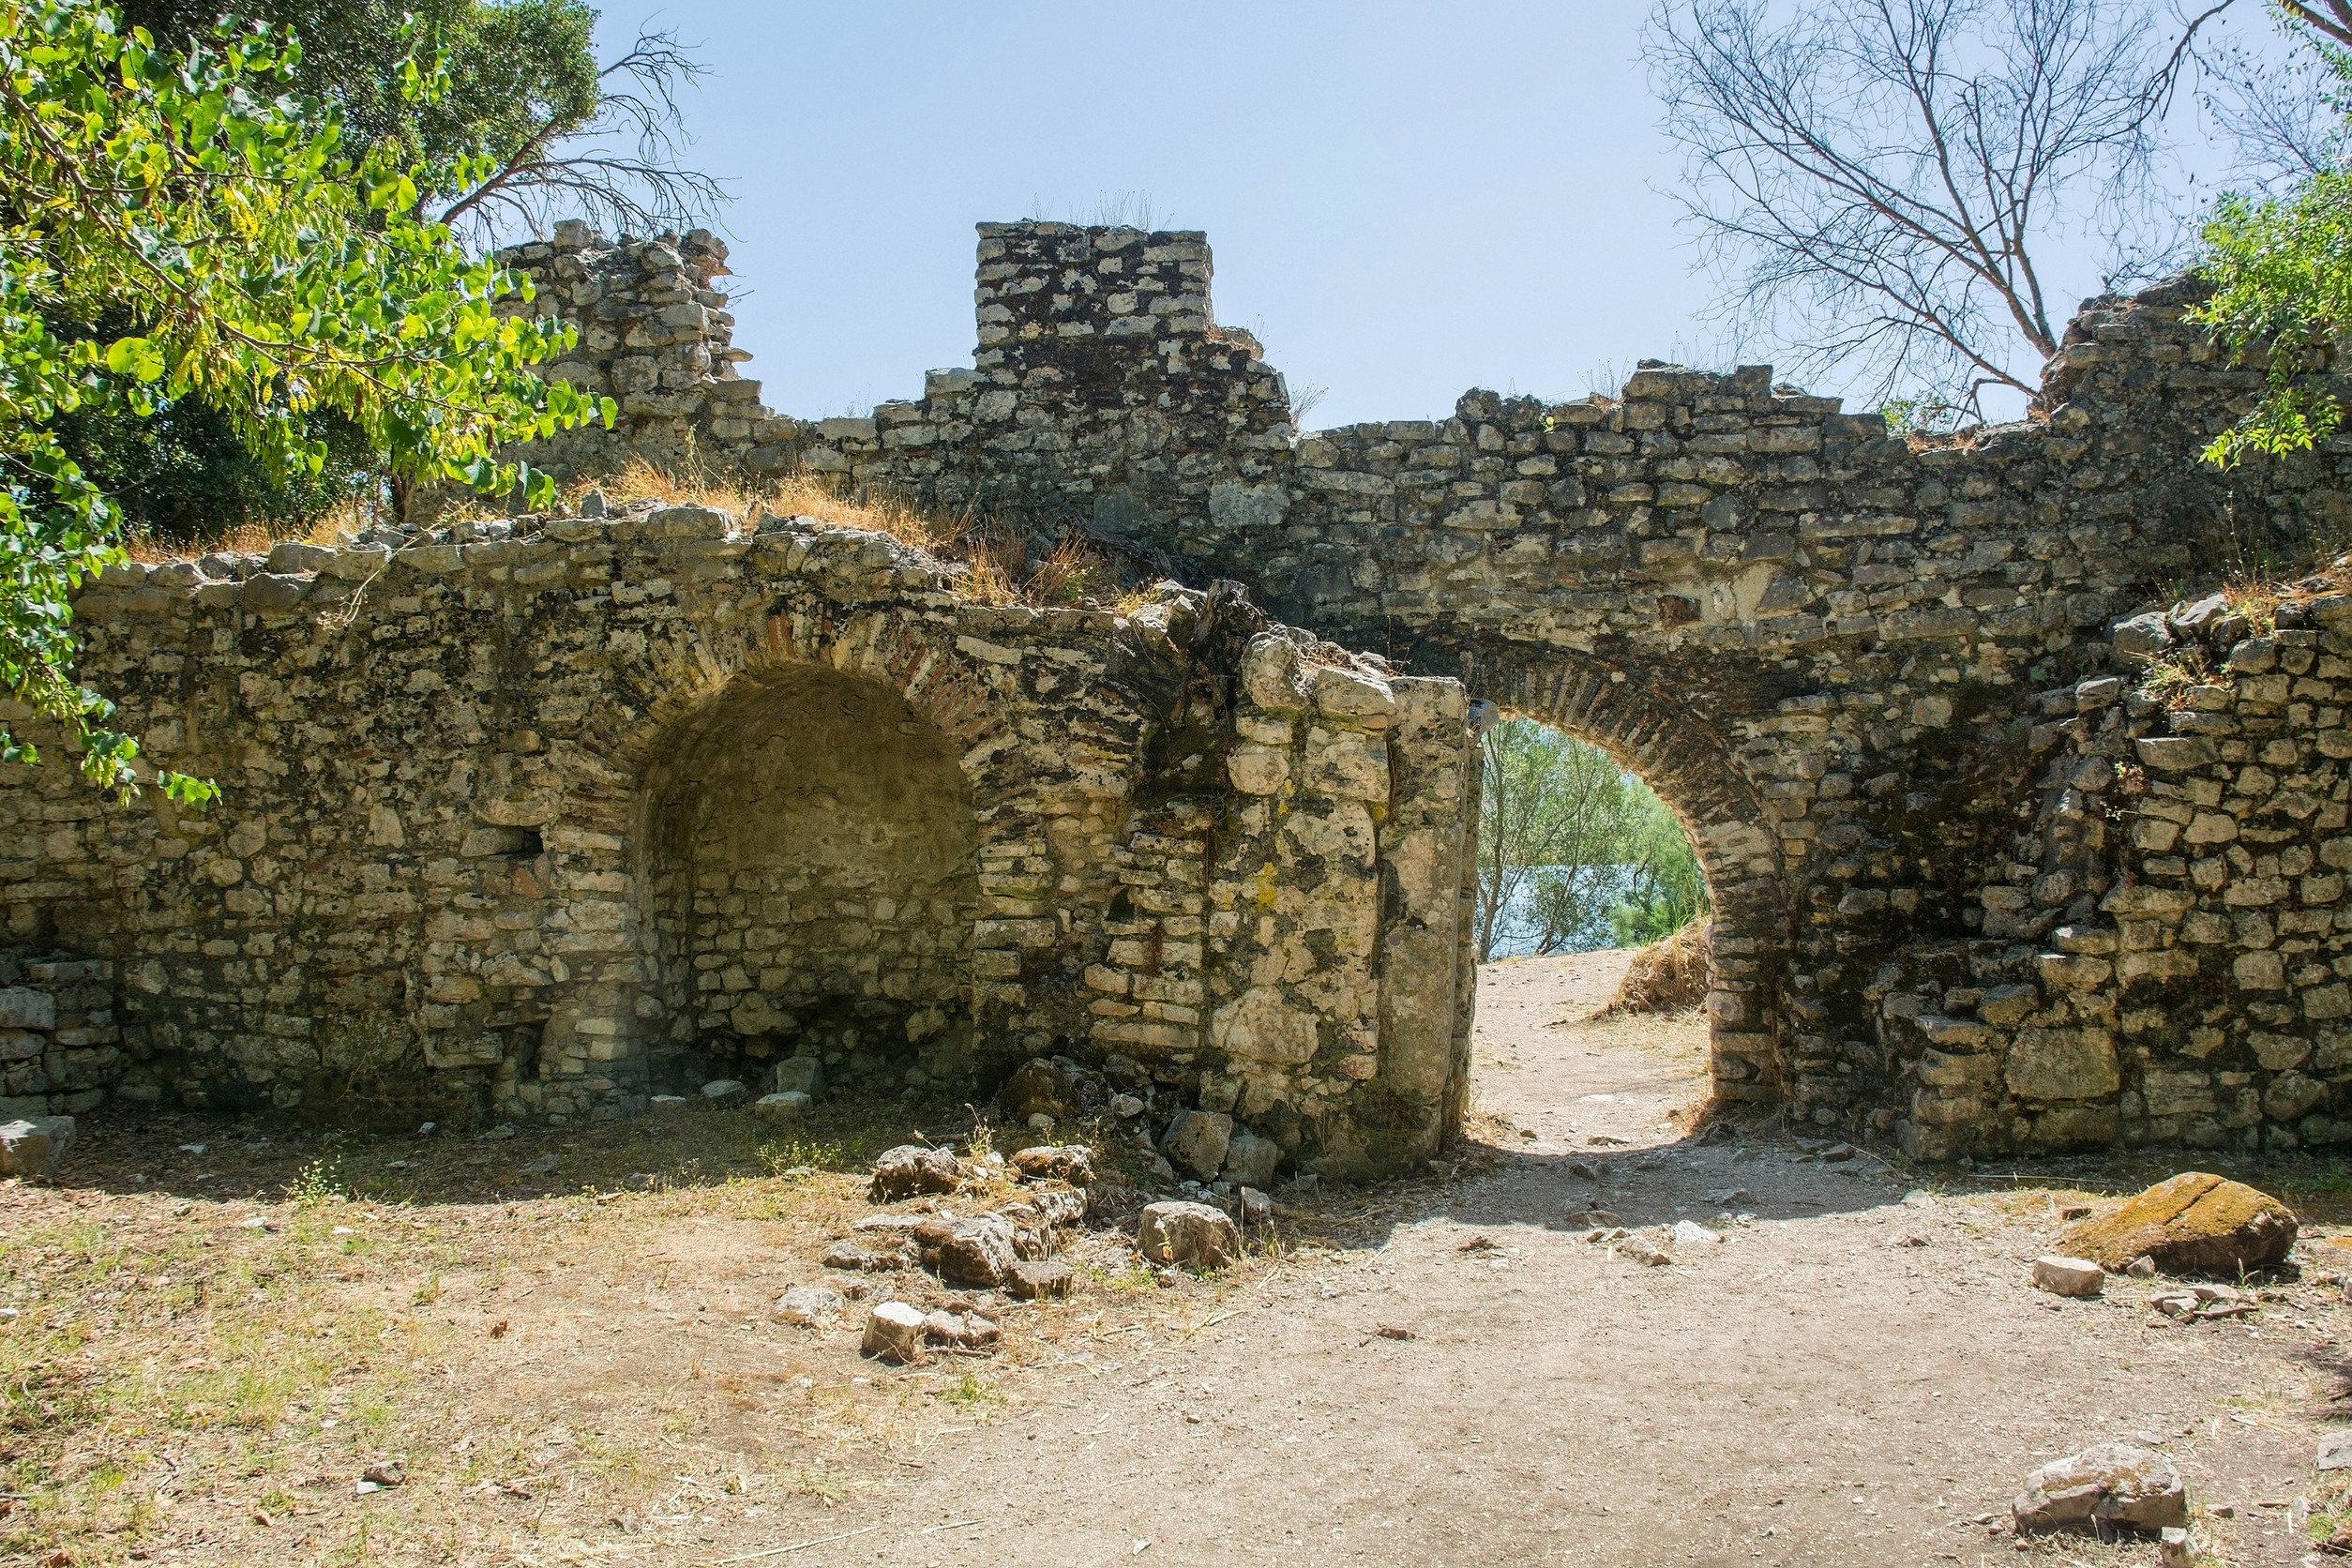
(995, 555)
(1668, 976)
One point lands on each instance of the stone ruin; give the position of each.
(538, 818)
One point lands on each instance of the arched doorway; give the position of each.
(813, 879)
(1692, 770)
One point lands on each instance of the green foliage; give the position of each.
(518, 73)
(1667, 889)
(1576, 843)
(2282, 272)
(2282, 275)
(262, 270)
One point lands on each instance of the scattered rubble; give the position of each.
(966, 1330)
(2069, 1276)
(911, 1170)
(1063, 1162)
(893, 1331)
(1641, 1249)
(1188, 1233)
(2103, 1489)
(810, 1305)
(1196, 1141)
(1046, 1279)
(2193, 1224)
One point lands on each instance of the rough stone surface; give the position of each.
(1193, 1234)
(1982, 883)
(1041, 1279)
(893, 1331)
(2113, 1483)
(1198, 1142)
(810, 1305)
(35, 1148)
(1897, 692)
(911, 1170)
(1073, 1162)
(2069, 1276)
(977, 1252)
(2192, 1223)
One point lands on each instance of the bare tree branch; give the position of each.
(1872, 179)
(619, 167)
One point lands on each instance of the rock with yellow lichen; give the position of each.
(2195, 1223)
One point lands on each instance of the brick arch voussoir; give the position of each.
(688, 676)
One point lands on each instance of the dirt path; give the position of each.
(1816, 1388)
(1447, 1372)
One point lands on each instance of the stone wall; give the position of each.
(2164, 955)
(1823, 644)
(528, 804)
(59, 1048)
(534, 819)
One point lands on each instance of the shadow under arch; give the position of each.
(807, 794)
(1689, 766)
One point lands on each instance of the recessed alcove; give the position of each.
(814, 880)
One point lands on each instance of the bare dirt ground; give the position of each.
(568, 1341)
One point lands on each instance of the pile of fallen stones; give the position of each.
(1006, 1245)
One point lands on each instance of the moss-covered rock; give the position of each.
(2195, 1223)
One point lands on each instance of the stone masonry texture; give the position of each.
(544, 816)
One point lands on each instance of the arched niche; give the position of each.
(813, 880)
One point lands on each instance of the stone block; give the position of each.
(2063, 1065)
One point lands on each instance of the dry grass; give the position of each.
(995, 555)
(250, 539)
(1666, 977)
(570, 1364)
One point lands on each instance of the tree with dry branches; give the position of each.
(1875, 183)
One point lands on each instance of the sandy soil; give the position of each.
(1444, 1372)
(1813, 1390)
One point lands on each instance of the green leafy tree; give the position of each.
(2281, 266)
(1663, 889)
(546, 128)
(269, 273)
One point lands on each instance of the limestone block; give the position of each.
(36, 1146)
(1257, 770)
(1262, 1025)
(2195, 1223)
(1270, 673)
(2100, 1489)
(2063, 1065)
(893, 1331)
(1251, 1160)
(22, 1007)
(1346, 694)
(1198, 1140)
(1194, 1234)
(1345, 765)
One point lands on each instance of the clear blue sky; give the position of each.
(1405, 200)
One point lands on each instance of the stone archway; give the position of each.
(1690, 767)
(812, 880)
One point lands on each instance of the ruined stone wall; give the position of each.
(59, 1046)
(533, 819)
(2163, 956)
(1822, 643)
